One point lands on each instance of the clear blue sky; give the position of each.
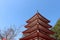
(18, 11)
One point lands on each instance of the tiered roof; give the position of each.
(37, 27)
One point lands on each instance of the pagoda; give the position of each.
(37, 29)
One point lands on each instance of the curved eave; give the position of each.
(38, 14)
(49, 26)
(40, 22)
(38, 27)
(37, 34)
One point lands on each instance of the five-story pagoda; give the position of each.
(37, 28)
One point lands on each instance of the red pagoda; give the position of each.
(37, 29)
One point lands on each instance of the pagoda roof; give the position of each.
(37, 34)
(46, 25)
(37, 26)
(38, 15)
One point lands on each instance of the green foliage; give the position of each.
(56, 29)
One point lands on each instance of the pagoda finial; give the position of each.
(37, 11)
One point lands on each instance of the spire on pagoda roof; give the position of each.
(38, 15)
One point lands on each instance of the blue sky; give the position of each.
(18, 11)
